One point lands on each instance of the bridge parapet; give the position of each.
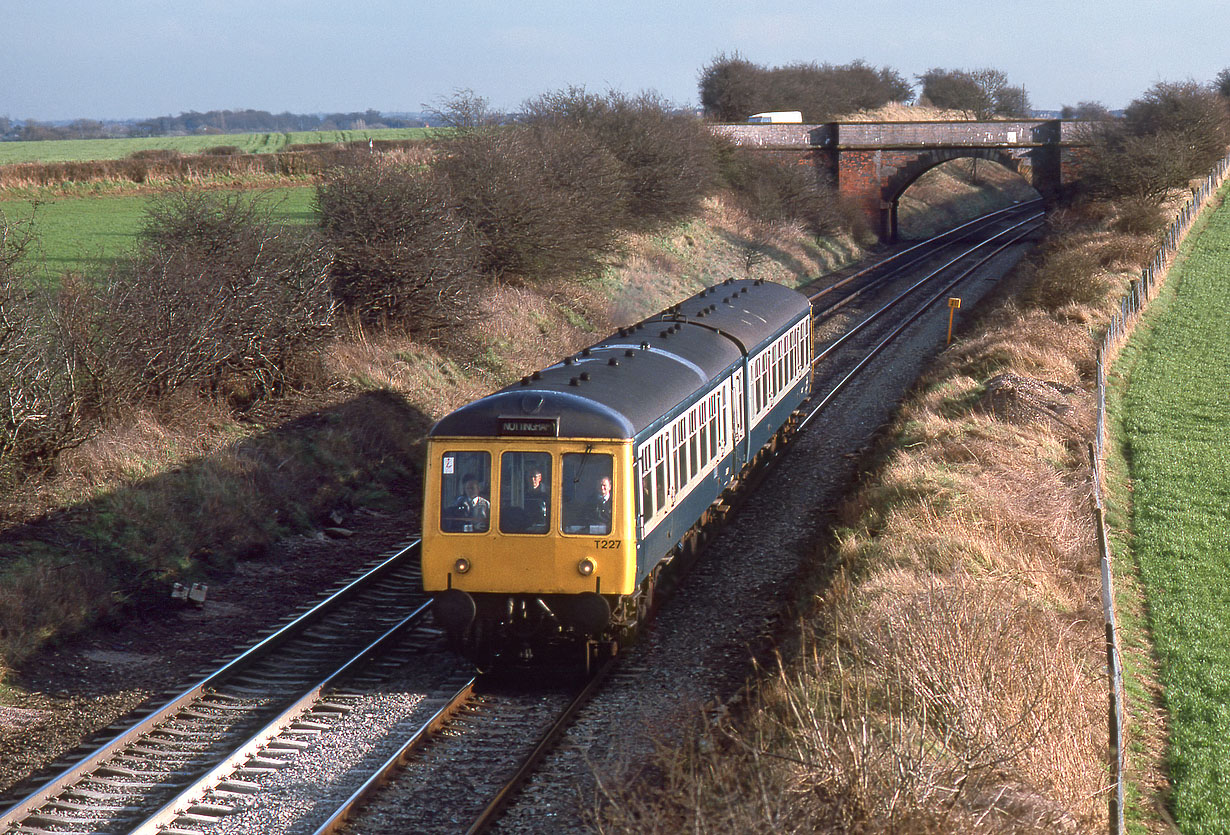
(1031, 133)
(779, 137)
(1023, 133)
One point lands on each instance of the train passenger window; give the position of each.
(659, 500)
(587, 493)
(525, 492)
(646, 486)
(465, 492)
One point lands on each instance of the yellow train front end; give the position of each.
(527, 541)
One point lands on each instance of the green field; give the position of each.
(75, 150)
(84, 234)
(1176, 421)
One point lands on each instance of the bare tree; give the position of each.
(465, 110)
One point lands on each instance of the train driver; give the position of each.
(472, 506)
(600, 515)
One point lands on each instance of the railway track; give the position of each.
(133, 780)
(451, 752)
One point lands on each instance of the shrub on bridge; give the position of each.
(731, 88)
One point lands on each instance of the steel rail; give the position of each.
(173, 808)
(923, 248)
(497, 804)
(909, 320)
(58, 784)
(928, 277)
(385, 772)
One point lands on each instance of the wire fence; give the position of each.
(1143, 291)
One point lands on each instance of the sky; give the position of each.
(124, 59)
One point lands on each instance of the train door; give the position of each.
(738, 405)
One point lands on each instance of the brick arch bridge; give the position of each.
(873, 163)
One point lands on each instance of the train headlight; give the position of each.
(586, 567)
(461, 566)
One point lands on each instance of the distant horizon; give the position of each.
(74, 59)
(1036, 113)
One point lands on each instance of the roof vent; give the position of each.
(568, 360)
(630, 353)
(613, 361)
(525, 381)
(586, 352)
(665, 333)
(585, 376)
(573, 382)
(537, 375)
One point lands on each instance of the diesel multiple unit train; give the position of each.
(552, 504)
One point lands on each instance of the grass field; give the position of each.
(75, 150)
(1175, 415)
(85, 234)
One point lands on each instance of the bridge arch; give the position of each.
(895, 185)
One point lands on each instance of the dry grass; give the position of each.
(951, 677)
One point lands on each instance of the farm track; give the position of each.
(453, 749)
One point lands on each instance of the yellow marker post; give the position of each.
(953, 304)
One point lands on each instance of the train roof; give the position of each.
(629, 381)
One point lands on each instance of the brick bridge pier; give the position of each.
(873, 163)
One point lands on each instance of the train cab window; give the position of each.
(586, 493)
(525, 492)
(465, 492)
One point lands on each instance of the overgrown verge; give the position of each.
(950, 675)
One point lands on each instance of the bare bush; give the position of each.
(1066, 275)
(1139, 216)
(546, 202)
(1173, 133)
(217, 297)
(782, 192)
(732, 88)
(402, 250)
(666, 155)
(40, 406)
